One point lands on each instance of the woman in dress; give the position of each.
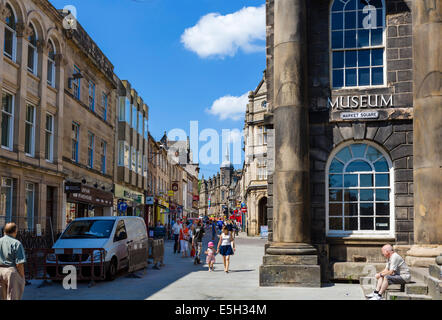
(226, 246)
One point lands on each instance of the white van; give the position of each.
(113, 234)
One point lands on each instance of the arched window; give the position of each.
(357, 43)
(32, 50)
(10, 34)
(359, 192)
(51, 64)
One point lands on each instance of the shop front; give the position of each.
(84, 201)
(129, 202)
(162, 211)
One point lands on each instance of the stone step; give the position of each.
(435, 271)
(368, 281)
(406, 296)
(434, 288)
(416, 288)
(419, 274)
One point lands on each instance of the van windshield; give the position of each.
(83, 229)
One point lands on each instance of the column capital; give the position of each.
(43, 46)
(60, 60)
(23, 30)
(4, 12)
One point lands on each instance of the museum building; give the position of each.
(343, 119)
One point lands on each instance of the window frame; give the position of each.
(51, 139)
(103, 156)
(91, 98)
(13, 55)
(34, 69)
(9, 193)
(383, 46)
(104, 102)
(32, 124)
(28, 216)
(51, 65)
(76, 140)
(375, 234)
(11, 117)
(76, 84)
(90, 149)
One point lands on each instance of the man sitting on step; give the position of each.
(395, 272)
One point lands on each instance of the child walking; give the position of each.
(210, 259)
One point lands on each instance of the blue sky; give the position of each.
(221, 55)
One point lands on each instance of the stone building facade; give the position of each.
(344, 138)
(256, 168)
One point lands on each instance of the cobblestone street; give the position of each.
(181, 279)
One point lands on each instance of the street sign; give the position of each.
(149, 200)
(170, 193)
(122, 206)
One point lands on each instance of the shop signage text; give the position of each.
(361, 101)
(360, 115)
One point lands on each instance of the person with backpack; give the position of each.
(198, 242)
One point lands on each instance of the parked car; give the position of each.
(113, 234)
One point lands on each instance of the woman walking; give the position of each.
(226, 246)
(184, 240)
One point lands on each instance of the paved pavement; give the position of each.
(180, 279)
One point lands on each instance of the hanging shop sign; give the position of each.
(125, 193)
(175, 187)
(170, 193)
(149, 200)
(366, 107)
(77, 192)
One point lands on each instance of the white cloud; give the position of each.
(218, 35)
(229, 107)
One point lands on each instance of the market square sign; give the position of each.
(366, 107)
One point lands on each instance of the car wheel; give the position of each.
(112, 271)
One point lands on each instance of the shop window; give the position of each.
(5, 201)
(359, 192)
(7, 121)
(357, 30)
(51, 64)
(32, 50)
(30, 131)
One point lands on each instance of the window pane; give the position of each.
(367, 209)
(351, 5)
(367, 224)
(338, 5)
(382, 209)
(335, 224)
(358, 166)
(335, 180)
(381, 165)
(337, 39)
(335, 195)
(358, 150)
(366, 180)
(366, 195)
(377, 76)
(373, 154)
(350, 195)
(382, 223)
(376, 3)
(335, 209)
(377, 57)
(344, 155)
(337, 21)
(350, 39)
(338, 59)
(376, 36)
(379, 16)
(383, 195)
(350, 58)
(338, 78)
(364, 76)
(382, 180)
(364, 58)
(363, 38)
(350, 77)
(351, 223)
(350, 20)
(336, 166)
(351, 180)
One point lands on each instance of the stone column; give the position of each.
(290, 259)
(427, 146)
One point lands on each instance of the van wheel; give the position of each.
(112, 271)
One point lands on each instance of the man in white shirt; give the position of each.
(396, 272)
(176, 234)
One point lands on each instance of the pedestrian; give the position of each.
(184, 240)
(210, 259)
(190, 240)
(220, 225)
(226, 246)
(396, 272)
(229, 226)
(213, 226)
(12, 260)
(237, 227)
(176, 234)
(198, 242)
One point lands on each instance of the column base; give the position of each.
(290, 265)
